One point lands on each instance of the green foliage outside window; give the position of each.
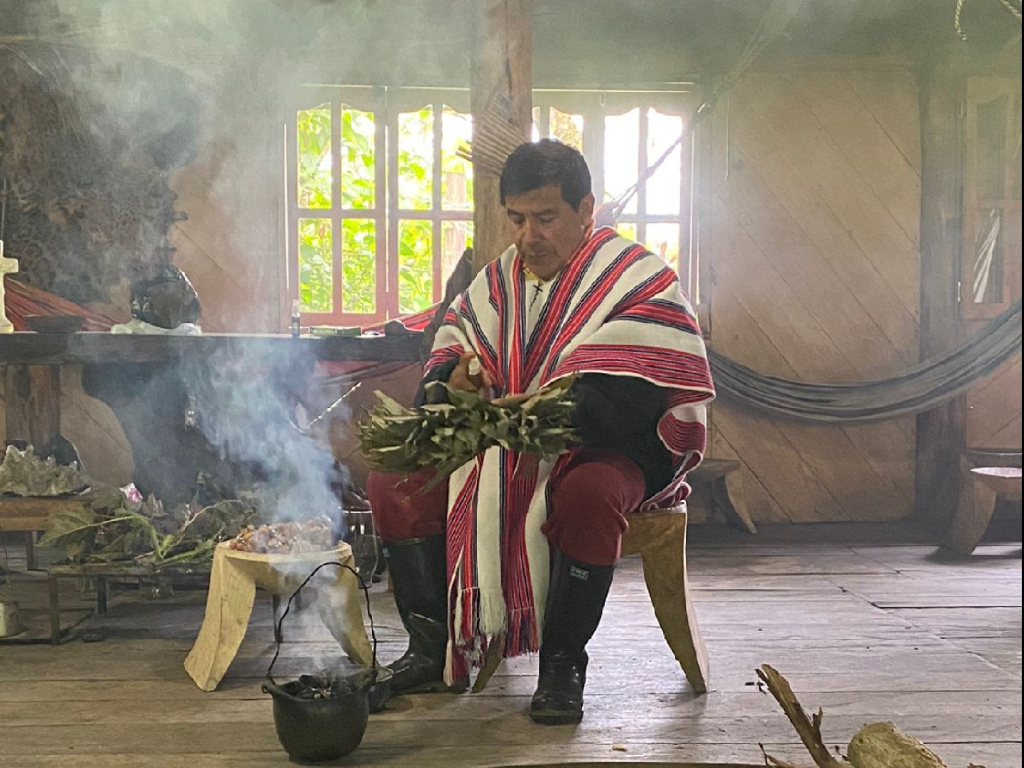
(358, 244)
(415, 266)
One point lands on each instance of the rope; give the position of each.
(1011, 8)
(960, 9)
(956, 19)
(922, 387)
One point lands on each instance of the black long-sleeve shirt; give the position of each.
(619, 413)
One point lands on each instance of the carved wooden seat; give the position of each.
(718, 488)
(981, 490)
(660, 539)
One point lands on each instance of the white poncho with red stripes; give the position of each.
(615, 309)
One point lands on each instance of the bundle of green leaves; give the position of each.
(110, 527)
(404, 440)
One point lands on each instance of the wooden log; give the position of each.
(500, 85)
(808, 729)
(883, 745)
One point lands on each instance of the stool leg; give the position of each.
(54, 610)
(101, 595)
(727, 494)
(275, 614)
(339, 605)
(974, 512)
(31, 561)
(665, 573)
(228, 609)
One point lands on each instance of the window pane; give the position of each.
(358, 161)
(663, 239)
(416, 159)
(621, 155)
(991, 150)
(663, 186)
(567, 128)
(535, 127)
(987, 260)
(457, 178)
(359, 266)
(313, 134)
(316, 273)
(415, 266)
(456, 237)
(626, 230)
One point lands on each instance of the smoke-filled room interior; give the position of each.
(322, 322)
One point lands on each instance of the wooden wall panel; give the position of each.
(229, 245)
(816, 206)
(994, 409)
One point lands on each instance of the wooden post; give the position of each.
(940, 431)
(500, 88)
(32, 402)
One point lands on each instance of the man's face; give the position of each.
(545, 228)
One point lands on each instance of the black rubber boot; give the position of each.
(575, 603)
(417, 568)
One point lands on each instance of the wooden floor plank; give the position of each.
(866, 632)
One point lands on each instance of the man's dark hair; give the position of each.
(546, 163)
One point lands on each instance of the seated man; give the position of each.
(516, 551)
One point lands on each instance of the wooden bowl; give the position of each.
(59, 324)
(994, 457)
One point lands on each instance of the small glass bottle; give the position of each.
(296, 328)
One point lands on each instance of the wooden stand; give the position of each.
(660, 538)
(981, 489)
(28, 515)
(718, 486)
(102, 573)
(233, 581)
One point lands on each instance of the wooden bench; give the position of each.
(660, 539)
(718, 488)
(981, 491)
(28, 515)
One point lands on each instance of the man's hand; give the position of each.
(470, 376)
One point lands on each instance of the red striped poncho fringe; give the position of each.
(615, 309)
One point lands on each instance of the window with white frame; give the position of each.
(380, 200)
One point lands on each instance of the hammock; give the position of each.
(924, 386)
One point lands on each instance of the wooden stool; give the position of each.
(718, 487)
(233, 580)
(981, 489)
(660, 538)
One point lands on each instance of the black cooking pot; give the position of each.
(323, 717)
(314, 730)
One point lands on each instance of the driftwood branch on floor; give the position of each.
(807, 729)
(877, 745)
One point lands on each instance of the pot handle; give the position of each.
(277, 634)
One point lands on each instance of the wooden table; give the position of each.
(103, 573)
(120, 369)
(29, 514)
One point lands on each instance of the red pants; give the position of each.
(589, 504)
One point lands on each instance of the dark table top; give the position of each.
(28, 348)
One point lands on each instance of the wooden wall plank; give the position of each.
(803, 291)
(994, 406)
(886, 96)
